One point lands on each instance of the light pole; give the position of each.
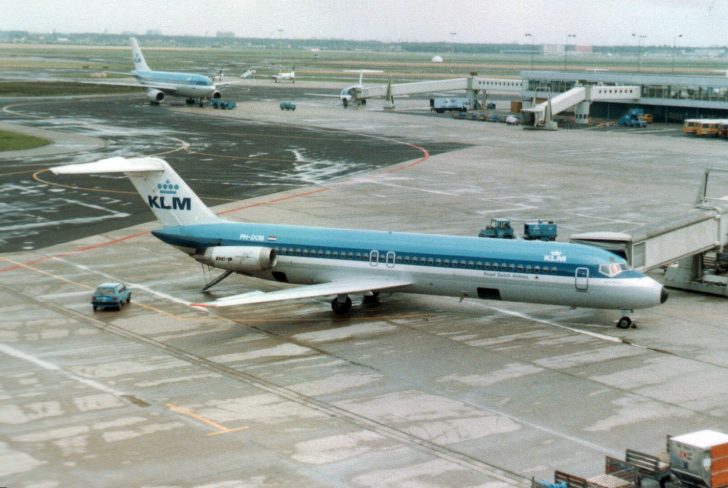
(639, 48)
(674, 46)
(528, 34)
(280, 45)
(566, 47)
(452, 42)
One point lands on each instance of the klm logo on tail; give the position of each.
(174, 202)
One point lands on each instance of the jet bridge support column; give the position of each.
(581, 112)
(471, 92)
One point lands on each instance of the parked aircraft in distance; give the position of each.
(159, 84)
(289, 76)
(340, 262)
(350, 92)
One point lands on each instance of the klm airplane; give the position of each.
(159, 84)
(342, 262)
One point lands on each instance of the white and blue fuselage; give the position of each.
(179, 84)
(521, 271)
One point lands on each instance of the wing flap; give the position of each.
(310, 291)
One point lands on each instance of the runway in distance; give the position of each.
(159, 84)
(340, 262)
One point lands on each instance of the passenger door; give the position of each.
(582, 279)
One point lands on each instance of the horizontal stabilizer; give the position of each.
(112, 165)
(346, 287)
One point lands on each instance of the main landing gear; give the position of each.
(341, 304)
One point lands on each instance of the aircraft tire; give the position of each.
(341, 308)
(624, 323)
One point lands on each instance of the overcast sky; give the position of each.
(701, 22)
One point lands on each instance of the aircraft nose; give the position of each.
(663, 295)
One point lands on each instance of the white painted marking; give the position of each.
(10, 351)
(132, 286)
(604, 337)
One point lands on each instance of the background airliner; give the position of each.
(285, 76)
(159, 84)
(340, 262)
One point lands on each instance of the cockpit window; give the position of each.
(612, 269)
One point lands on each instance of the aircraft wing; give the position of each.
(165, 87)
(343, 287)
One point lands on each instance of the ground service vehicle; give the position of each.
(539, 230)
(499, 228)
(111, 295)
(454, 104)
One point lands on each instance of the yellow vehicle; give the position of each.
(690, 126)
(707, 127)
(647, 118)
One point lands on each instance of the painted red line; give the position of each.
(105, 244)
(425, 157)
(74, 251)
(274, 201)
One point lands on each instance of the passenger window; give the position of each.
(529, 269)
(430, 261)
(512, 267)
(406, 260)
(446, 262)
(520, 268)
(553, 270)
(438, 262)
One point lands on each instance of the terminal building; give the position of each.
(668, 97)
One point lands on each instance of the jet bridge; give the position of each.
(693, 247)
(472, 85)
(540, 116)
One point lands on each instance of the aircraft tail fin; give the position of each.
(136, 55)
(168, 196)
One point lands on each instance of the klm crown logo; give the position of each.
(176, 203)
(167, 188)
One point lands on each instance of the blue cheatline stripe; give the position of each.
(191, 79)
(432, 251)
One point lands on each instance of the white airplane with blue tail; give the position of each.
(160, 84)
(341, 262)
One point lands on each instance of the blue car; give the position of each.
(111, 295)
